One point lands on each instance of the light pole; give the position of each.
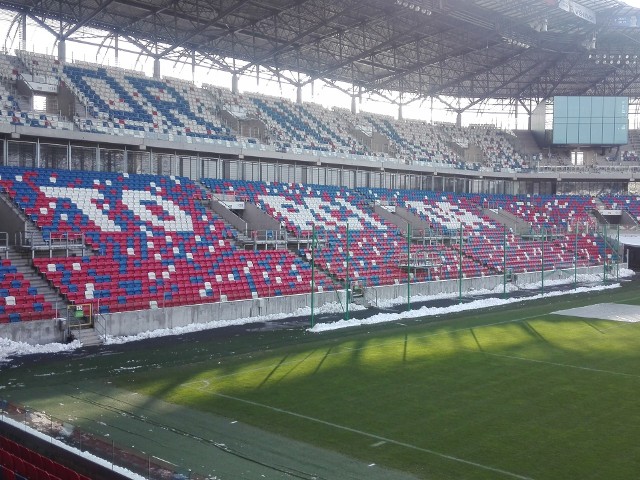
(575, 258)
(604, 264)
(542, 237)
(618, 254)
(408, 266)
(504, 261)
(313, 272)
(346, 312)
(460, 266)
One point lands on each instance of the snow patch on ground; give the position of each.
(10, 348)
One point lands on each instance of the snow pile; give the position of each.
(10, 348)
(461, 307)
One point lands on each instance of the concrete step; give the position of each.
(23, 264)
(87, 336)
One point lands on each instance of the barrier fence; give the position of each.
(136, 461)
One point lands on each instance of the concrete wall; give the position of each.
(390, 217)
(380, 142)
(401, 218)
(11, 221)
(415, 220)
(131, 323)
(257, 219)
(231, 218)
(375, 294)
(36, 332)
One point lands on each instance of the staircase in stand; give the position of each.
(87, 336)
(24, 265)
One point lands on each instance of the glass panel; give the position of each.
(54, 156)
(111, 160)
(22, 154)
(84, 158)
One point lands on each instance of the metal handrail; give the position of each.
(100, 324)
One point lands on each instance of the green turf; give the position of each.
(512, 392)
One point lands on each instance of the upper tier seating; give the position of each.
(125, 102)
(122, 102)
(10, 109)
(305, 127)
(157, 246)
(498, 152)
(417, 141)
(8, 70)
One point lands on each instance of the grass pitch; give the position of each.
(511, 392)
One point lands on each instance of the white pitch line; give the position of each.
(374, 436)
(555, 364)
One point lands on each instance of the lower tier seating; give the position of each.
(18, 462)
(155, 244)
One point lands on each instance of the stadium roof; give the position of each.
(497, 49)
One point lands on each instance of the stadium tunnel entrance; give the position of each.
(633, 256)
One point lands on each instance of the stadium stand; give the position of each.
(498, 152)
(117, 101)
(417, 141)
(547, 211)
(628, 203)
(485, 239)
(376, 248)
(157, 245)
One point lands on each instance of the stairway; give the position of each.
(508, 219)
(23, 231)
(24, 265)
(87, 336)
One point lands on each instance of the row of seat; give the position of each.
(157, 244)
(21, 463)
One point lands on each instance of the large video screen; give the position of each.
(590, 120)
